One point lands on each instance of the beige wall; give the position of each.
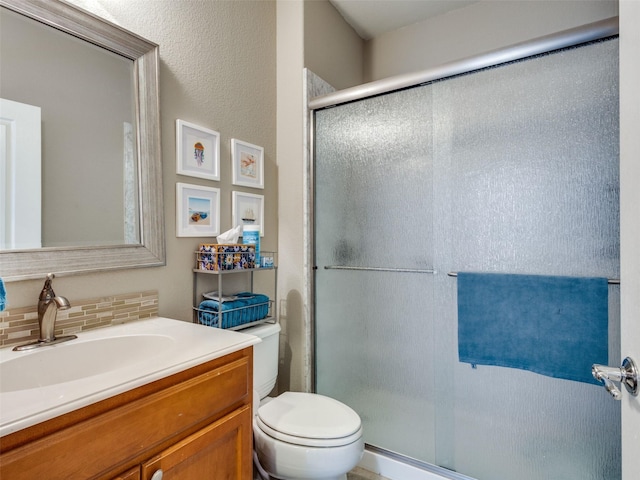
(332, 49)
(218, 70)
(294, 305)
(478, 28)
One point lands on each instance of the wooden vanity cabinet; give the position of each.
(191, 425)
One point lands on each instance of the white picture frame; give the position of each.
(246, 207)
(197, 151)
(247, 162)
(197, 210)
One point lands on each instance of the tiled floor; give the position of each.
(362, 474)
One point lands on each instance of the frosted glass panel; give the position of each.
(512, 169)
(365, 150)
(527, 158)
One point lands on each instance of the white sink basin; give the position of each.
(39, 384)
(66, 362)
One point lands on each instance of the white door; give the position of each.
(630, 223)
(20, 175)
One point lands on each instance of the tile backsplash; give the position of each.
(20, 325)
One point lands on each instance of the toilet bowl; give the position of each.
(299, 436)
(307, 436)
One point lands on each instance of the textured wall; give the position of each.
(332, 49)
(291, 275)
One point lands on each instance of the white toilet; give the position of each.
(298, 436)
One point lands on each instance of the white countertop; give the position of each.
(187, 345)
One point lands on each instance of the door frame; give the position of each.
(630, 223)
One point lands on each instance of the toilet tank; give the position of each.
(265, 357)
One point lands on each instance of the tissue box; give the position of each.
(218, 257)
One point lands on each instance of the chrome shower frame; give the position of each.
(549, 43)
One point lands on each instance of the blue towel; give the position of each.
(3, 296)
(555, 326)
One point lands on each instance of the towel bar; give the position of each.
(379, 269)
(611, 281)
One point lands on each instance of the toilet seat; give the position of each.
(309, 419)
(308, 442)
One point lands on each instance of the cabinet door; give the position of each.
(133, 474)
(222, 450)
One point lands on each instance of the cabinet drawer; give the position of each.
(221, 450)
(94, 447)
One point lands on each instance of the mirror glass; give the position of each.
(86, 168)
(80, 160)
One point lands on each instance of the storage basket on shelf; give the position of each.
(239, 309)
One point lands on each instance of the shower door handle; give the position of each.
(627, 375)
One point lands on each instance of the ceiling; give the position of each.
(370, 18)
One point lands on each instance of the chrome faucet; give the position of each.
(48, 306)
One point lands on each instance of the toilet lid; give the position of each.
(296, 416)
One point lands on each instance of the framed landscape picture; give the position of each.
(197, 211)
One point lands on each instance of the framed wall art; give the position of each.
(197, 151)
(197, 211)
(247, 209)
(247, 164)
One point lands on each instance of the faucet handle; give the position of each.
(47, 289)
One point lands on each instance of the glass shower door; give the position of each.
(527, 160)
(511, 169)
(374, 256)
